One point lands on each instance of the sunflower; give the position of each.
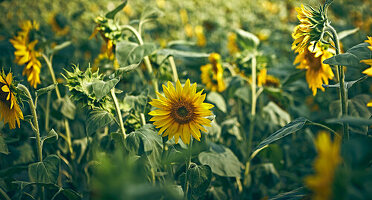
(182, 112)
(368, 71)
(309, 29)
(266, 79)
(9, 108)
(317, 73)
(201, 40)
(324, 165)
(59, 24)
(212, 73)
(232, 46)
(26, 54)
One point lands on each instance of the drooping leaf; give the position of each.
(248, 40)
(111, 14)
(46, 171)
(222, 161)
(290, 128)
(199, 177)
(218, 100)
(276, 115)
(42, 91)
(3, 146)
(244, 93)
(231, 126)
(150, 12)
(102, 88)
(61, 46)
(97, 119)
(50, 138)
(296, 194)
(345, 33)
(352, 57)
(66, 107)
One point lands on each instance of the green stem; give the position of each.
(118, 111)
(254, 102)
(35, 123)
(325, 127)
(3, 193)
(174, 68)
(67, 126)
(341, 78)
(146, 58)
(47, 112)
(188, 164)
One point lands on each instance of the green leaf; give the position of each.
(50, 138)
(357, 121)
(248, 40)
(357, 108)
(42, 91)
(275, 114)
(199, 179)
(300, 74)
(145, 141)
(348, 84)
(290, 128)
(97, 119)
(111, 14)
(222, 161)
(218, 100)
(150, 12)
(3, 146)
(345, 33)
(130, 54)
(231, 126)
(297, 194)
(180, 53)
(66, 107)
(46, 171)
(102, 88)
(244, 93)
(352, 57)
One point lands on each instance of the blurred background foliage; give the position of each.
(277, 169)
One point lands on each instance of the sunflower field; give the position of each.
(194, 99)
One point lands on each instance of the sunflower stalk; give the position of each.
(341, 78)
(254, 102)
(188, 164)
(118, 111)
(174, 68)
(67, 126)
(146, 58)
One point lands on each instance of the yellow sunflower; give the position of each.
(324, 165)
(232, 46)
(266, 79)
(26, 54)
(199, 32)
(212, 74)
(181, 113)
(9, 108)
(368, 71)
(317, 73)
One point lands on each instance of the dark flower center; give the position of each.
(183, 112)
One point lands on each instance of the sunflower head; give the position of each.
(59, 24)
(26, 53)
(310, 28)
(181, 113)
(212, 73)
(368, 61)
(325, 166)
(317, 73)
(10, 111)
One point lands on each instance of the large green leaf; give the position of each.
(222, 161)
(3, 146)
(111, 14)
(217, 100)
(352, 57)
(97, 119)
(46, 171)
(275, 114)
(199, 177)
(102, 88)
(145, 142)
(290, 128)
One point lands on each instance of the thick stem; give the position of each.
(67, 126)
(35, 123)
(254, 102)
(174, 68)
(188, 164)
(146, 58)
(118, 111)
(47, 111)
(341, 78)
